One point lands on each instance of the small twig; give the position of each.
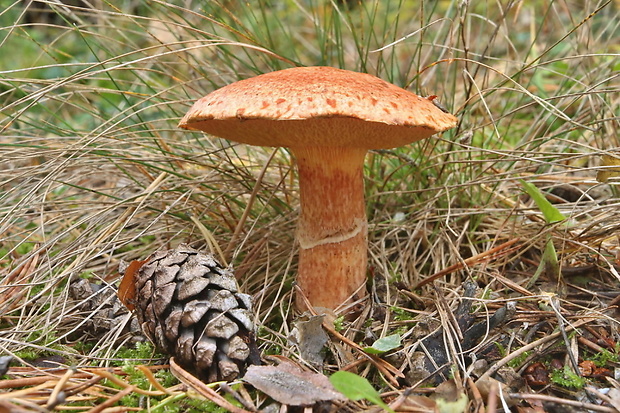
(108, 375)
(246, 403)
(82, 386)
(592, 346)
(489, 254)
(567, 402)
(55, 398)
(500, 363)
(100, 407)
(191, 381)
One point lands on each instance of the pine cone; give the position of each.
(106, 313)
(190, 307)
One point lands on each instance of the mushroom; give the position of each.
(328, 119)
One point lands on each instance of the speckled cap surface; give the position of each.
(317, 106)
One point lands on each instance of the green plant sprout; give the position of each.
(355, 388)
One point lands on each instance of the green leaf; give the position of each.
(551, 213)
(355, 387)
(384, 344)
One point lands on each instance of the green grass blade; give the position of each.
(551, 213)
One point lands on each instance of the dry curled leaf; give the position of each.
(291, 385)
(536, 375)
(588, 368)
(416, 403)
(127, 288)
(310, 338)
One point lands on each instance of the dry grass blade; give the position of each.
(59, 389)
(491, 254)
(54, 399)
(551, 337)
(248, 208)
(10, 290)
(564, 402)
(185, 377)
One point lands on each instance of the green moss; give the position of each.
(83, 347)
(603, 358)
(28, 354)
(518, 361)
(24, 248)
(128, 356)
(401, 314)
(183, 403)
(566, 377)
(339, 323)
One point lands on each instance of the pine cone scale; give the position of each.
(191, 287)
(165, 275)
(162, 297)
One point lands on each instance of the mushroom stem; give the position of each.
(332, 230)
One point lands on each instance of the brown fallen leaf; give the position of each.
(415, 403)
(127, 288)
(310, 337)
(291, 385)
(536, 375)
(589, 369)
(485, 387)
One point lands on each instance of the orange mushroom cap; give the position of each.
(322, 106)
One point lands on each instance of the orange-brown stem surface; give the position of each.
(333, 230)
